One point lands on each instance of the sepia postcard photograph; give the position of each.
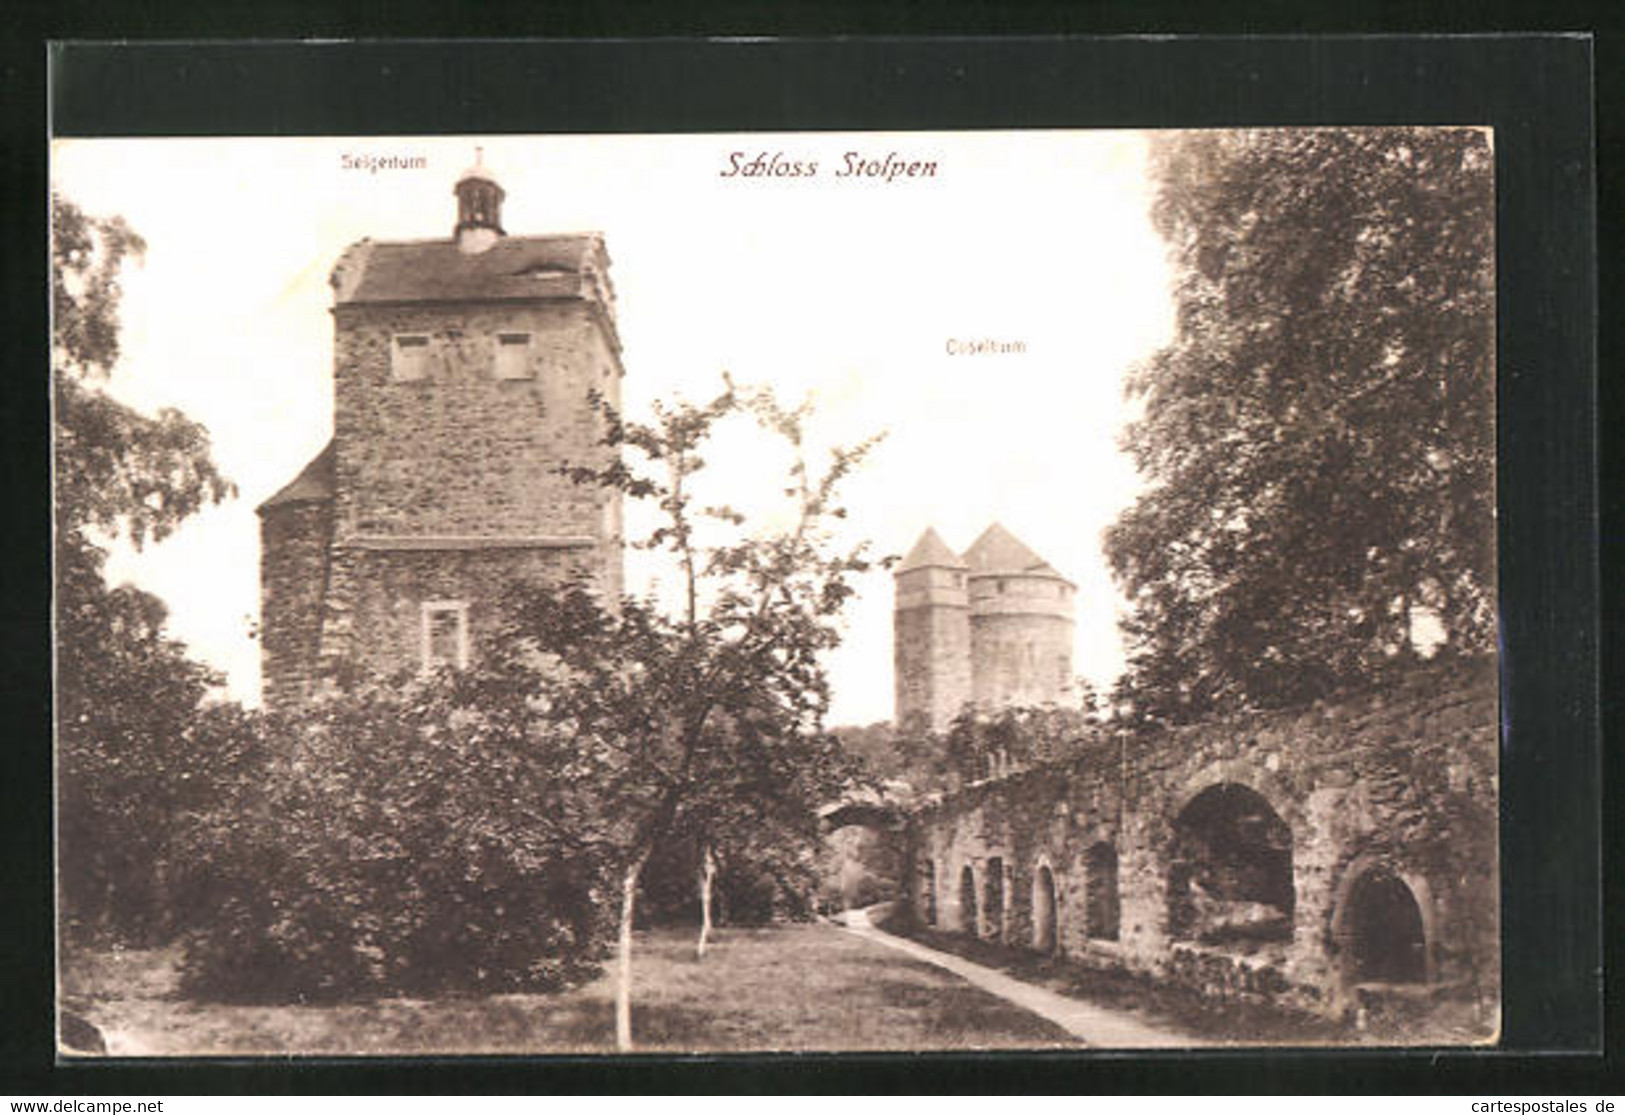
(775, 592)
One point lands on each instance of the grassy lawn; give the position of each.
(803, 987)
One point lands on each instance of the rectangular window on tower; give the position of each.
(445, 634)
(409, 357)
(513, 356)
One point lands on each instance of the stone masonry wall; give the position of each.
(294, 540)
(1399, 784)
(460, 451)
(1021, 659)
(375, 617)
(448, 487)
(932, 661)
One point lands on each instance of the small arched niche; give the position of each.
(967, 900)
(1380, 929)
(1102, 903)
(1044, 928)
(928, 890)
(993, 898)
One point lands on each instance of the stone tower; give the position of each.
(994, 628)
(931, 655)
(464, 370)
(1020, 624)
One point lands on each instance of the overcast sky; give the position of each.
(850, 288)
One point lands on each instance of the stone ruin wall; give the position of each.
(295, 541)
(1393, 785)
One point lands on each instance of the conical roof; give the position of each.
(930, 550)
(999, 551)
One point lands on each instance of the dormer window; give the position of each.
(513, 356)
(409, 357)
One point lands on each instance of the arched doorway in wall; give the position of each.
(1044, 929)
(1230, 869)
(993, 898)
(1104, 908)
(1381, 931)
(967, 900)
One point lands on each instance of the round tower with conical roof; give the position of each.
(931, 635)
(1021, 626)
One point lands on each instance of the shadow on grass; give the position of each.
(801, 988)
(951, 1013)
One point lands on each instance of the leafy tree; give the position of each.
(743, 860)
(923, 757)
(125, 696)
(117, 471)
(703, 725)
(981, 745)
(874, 748)
(125, 691)
(759, 827)
(1318, 438)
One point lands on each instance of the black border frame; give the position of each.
(1535, 91)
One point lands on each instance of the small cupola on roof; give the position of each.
(479, 207)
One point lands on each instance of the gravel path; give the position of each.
(1096, 1026)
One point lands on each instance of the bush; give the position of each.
(773, 881)
(765, 891)
(398, 842)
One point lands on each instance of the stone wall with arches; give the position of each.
(1317, 856)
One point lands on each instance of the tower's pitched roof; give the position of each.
(436, 271)
(999, 551)
(314, 484)
(930, 550)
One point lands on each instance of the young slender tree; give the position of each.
(686, 720)
(1318, 440)
(765, 818)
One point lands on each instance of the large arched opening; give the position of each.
(1230, 869)
(1044, 929)
(1102, 905)
(1381, 930)
(967, 900)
